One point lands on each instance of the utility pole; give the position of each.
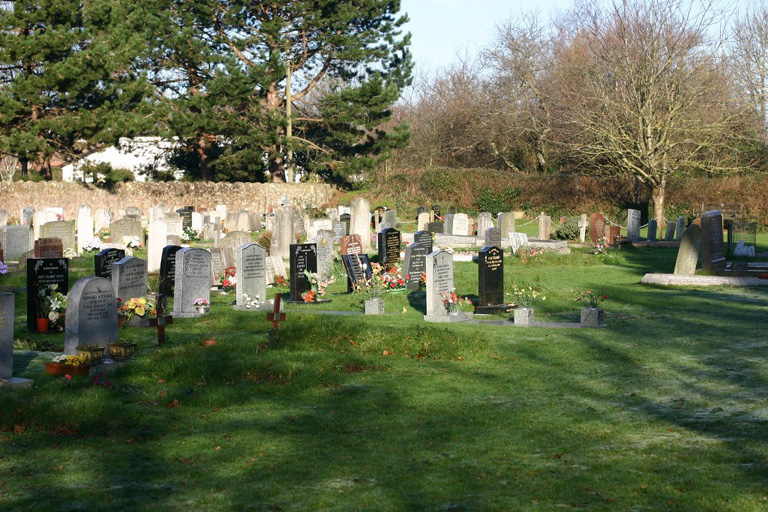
(289, 124)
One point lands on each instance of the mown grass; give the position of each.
(664, 409)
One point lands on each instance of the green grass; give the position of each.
(664, 409)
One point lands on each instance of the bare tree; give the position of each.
(643, 93)
(8, 167)
(749, 58)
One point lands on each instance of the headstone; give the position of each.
(251, 274)
(317, 225)
(230, 243)
(3, 218)
(614, 233)
(156, 241)
(712, 255)
(633, 225)
(517, 240)
(27, 216)
(670, 234)
(324, 242)
(197, 221)
(16, 240)
(168, 269)
(596, 227)
(186, 218)
(490, 275)
(7, 301)
(339, 230)
(91, 314)
(41, 274)
(688, 253)
(129, 278)
(126, 229)
(382, 226)
(389, 246)
(346, 218)
(436, 227)
(545, 226)
(680, 227)
(390, 217)
(60, 229)
(49, 248)
(38, 220)
(101, 220)
(424, 238)
(439, 280)
(422, 221)
(350, 244)
(507, 224)
(484, 222)
(192, 281)
(493, 237)
(133, 212)
(583, 225)
(360, 222)
(217, 263)
(104, 260)
(652, 230)
(212, 232)
(283, 234)
(173, 224)
(84, 210)
(448, 224)
(460, 224)
(275, 268)
(302, 257)
(451, 210)
(84, 231)
(415, 263)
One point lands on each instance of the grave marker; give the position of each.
(251, 276)
(65, 230)
(16, 240)
(192, 281)
(43, 273)
(490, 276)
(596, 227)
(91, 314)
(168, 269)
(712, 256)
(49, 248)
(415, 263)
(389, 246)
(104, 260)
(125, 229)
(633, 225)
(688, 253)
(439, 279)
(302, 257)
(493, 237)
(424, 238)
(129, 278)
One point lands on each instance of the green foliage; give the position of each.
(494, 201)
(104, 176)
(569, 230)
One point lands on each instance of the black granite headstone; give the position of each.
(415, 263)
(435, 227)
(104, 260)
(302, 257)
(186, 217)
(389, 246)
(168, 269)
(490, 274)
(358, 268)
(423, 238)
(42, 273)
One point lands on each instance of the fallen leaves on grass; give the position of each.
(173, 403)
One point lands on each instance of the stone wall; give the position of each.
(237, 196)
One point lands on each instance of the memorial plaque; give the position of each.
(415, 263)
(389, 246)
(41, 274)
(358, 268)
(192, 281)
(251, 274)
(168, 269)
(104, 260)
(490, 274)
(596, 227)
(129, 278)
(91, 314)
(350, 244)
(302, 257)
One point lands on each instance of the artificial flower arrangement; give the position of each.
(592, 299)
(190, 235)
(392, 279)
(601, 247)
(69, 360)
(132, 242)
(228, 280)
(525, 295)
(144, 307)
(455, 304)
(318, 286)
(93, 245)
(280, 282)
(3, 268)
(58, 305)
(250, 302)
(202, 302)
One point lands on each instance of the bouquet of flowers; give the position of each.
(132, 242)
(318, 286)
(57, 305)
(202, 302)
(69, 360)
(601, 247)
(228, 280)
(393, 279)
(525, 295)
(593, 299)
(145, 307)
(93, 245)
(455, 304)
(190, 235)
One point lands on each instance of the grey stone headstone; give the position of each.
(670, 234)
(7, 301)
(688, 254)
(448, 223)
(193, 281)
(251, 274)
(422, 221)
(360, 222)
(217, 265)
(633, 225)
(424, 238)
(230, 243)
(712, 255)
(27, 216)
(385, 225)
(283, 234)
(126, 227)
(681, 224)
(16, 240)
(60, 229)
(339, 230)
(484, 222)
(390, 216)
(324, 242)
(545, 226)
(493, 237)
(415, 263)
(129, 278)
(460, 225)
(652, 230)
(506, 224)
(156, 240)
(439, 279)
(174, 224)
(91, 314)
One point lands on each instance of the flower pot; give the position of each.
(203, 310)
(591, 317)
(210, 343)
(523, 316)
(374, 306)
(65, 369)
(91, 355)
(121, 351)
(121, 321)
(43, 324)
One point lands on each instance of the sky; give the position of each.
(441, 29)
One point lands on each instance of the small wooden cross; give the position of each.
(276, 316)
(162, 321)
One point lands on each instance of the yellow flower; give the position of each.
(142, 301)
(140, 310)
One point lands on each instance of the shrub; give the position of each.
(265, 239)
(494, 201)
(569, 229)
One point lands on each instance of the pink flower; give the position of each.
(68, 377)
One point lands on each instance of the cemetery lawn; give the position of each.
(663, 409)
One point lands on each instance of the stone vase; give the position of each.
(523, 316)
(591, 317)
(374, 306)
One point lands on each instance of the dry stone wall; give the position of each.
(237, 196)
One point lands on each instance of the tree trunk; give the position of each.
(658, 192)
(276, 166)
(202, 149)
(24, 167)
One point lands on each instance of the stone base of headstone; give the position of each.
(374, 306)
(321, 301)
(194, 314)
(523, 316)
(456, 317)
(492, 310)
(17, 382)
(591, 317)
(254, 308)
